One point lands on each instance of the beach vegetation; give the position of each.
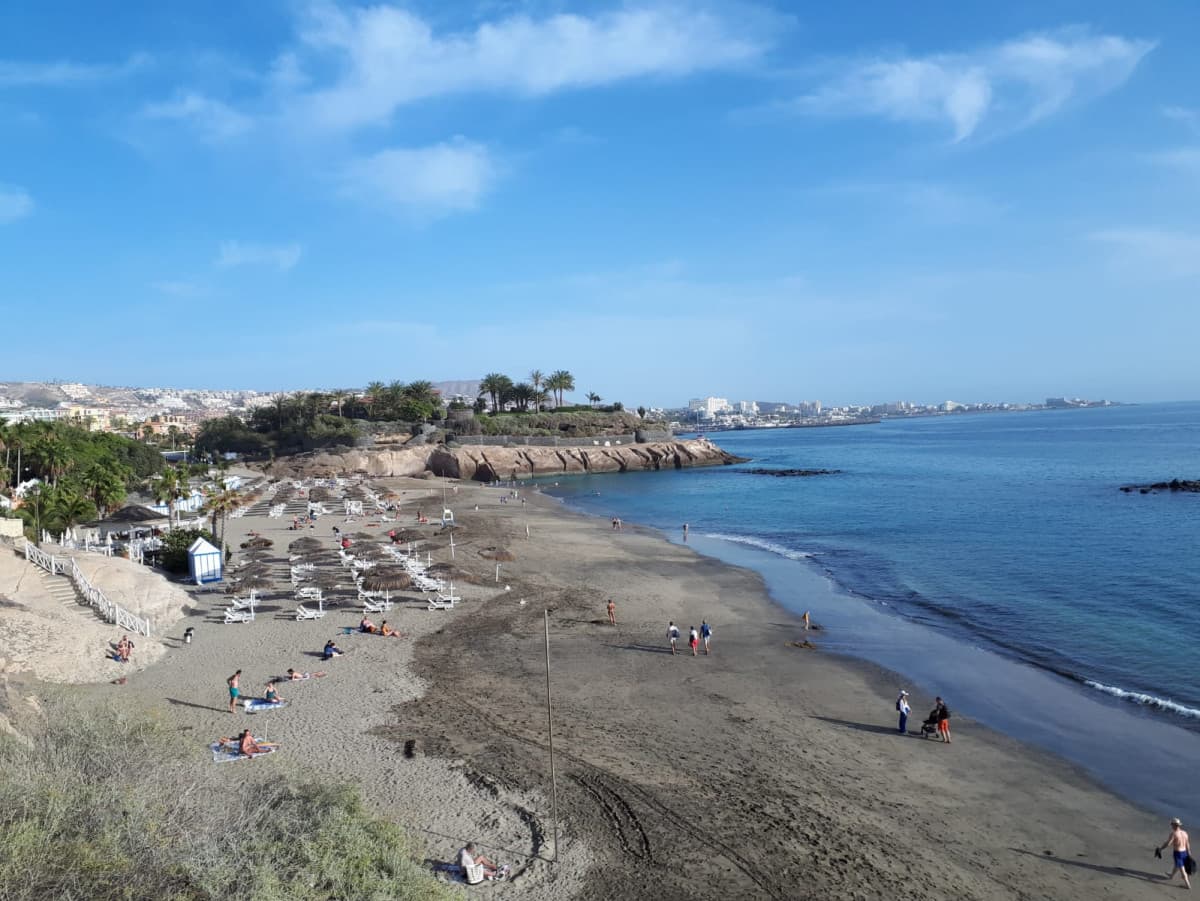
(99, 803)
(173, 557)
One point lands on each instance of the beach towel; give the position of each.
(226, 752)
(258, 705)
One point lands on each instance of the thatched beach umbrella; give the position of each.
(254, 580)
(306, 544)
(390, 579)
(257, 543)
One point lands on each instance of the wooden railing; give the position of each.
(66, 566)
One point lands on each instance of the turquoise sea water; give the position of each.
(1002, 536)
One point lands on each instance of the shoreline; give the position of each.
(1045, 710)
(764, 771)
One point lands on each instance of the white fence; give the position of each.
(66, 566)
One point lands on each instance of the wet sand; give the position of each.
(765, 770)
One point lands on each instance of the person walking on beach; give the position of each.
(706, 634)
(943, 720)
(693, 640)
(1181, 849)
(612, 612)
(685, 531)
(235, 688)
(904, 710)
(672, 634)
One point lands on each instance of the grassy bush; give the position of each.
(583, 423)
(101, 805)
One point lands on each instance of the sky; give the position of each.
(854, 203)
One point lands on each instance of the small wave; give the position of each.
(762, 545)
(1144, 699)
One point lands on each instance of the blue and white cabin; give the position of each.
(204, 562)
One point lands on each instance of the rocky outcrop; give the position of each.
(791, 473)
(489, 463)
(1191, 486)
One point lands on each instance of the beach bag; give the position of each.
(1190, 865)
(897, 703)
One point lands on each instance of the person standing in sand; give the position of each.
(612, 612)
(685, 531)
(693, 640)
(1180, 850)
(706, 634)
(235, 688)
(904, 710)
(672, 634)
(943, 720)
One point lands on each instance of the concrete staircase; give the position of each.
(63, 592)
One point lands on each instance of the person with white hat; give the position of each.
(905, 710)
(1181, 850)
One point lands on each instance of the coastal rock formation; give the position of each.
(489, 463)
(791, 473)
(1191, 486)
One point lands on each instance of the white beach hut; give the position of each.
(204, 562)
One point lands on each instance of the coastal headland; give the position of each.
(768, 769)
(489, 463)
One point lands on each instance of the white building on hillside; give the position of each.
(708, 407)
(747, 407)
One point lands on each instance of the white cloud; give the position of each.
(214, 120)
(178, 288)
(236, 253)
(424, 181)
(15, 203)
(1187, 117)
(1003, 87)
(19, 74)
(1155, 251)
(387, 57)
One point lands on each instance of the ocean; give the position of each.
(991, 558)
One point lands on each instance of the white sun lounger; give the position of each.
(238, 616)
(303, 613)
(379, 605)
(436, 603)
(309, 594)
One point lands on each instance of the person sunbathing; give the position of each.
(294, 676)
(388, 632)
(247, 745)
(367, 626)
(271, 695)
(469, 858)
(124, 649)
(331, 651)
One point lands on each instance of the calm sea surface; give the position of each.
(1003, 532)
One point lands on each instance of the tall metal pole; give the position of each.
(550, 727)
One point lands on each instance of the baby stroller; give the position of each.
(930, 726)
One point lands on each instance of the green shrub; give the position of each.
(102, 805)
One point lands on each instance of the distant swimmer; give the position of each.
(672, 634)
(612, 613)
(706, 634)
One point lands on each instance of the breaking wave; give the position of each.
(1144, 699)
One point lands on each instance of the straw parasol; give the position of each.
(390, 579)
(257, 543)
(306, 544)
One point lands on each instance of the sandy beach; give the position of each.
(765, 770)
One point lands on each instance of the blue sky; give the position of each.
(770, 201)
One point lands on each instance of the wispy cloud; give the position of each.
(386, 57)
(21, 74)
(1185, 116)
(236, 253)
(178, 288)
(1156, 251)
(999, 88)
(15, 203)
(423, 181)
(214, 120)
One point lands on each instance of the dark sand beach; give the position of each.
(766, 770)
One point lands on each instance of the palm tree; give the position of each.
(339, 397)
(104, 486)
(594, 398)
(65, 507)
(167, 489)
(536, 378)
(523, 394)
(559, 381)
(173, 434)
(495, 384)
(221, 502)
(54, 457)
(374, 392)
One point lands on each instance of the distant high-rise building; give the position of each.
(708, 407)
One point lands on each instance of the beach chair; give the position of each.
(440, 603)
(238, 616)
(309, 594)
(375, 605)
(303, 613)
(246, 603)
